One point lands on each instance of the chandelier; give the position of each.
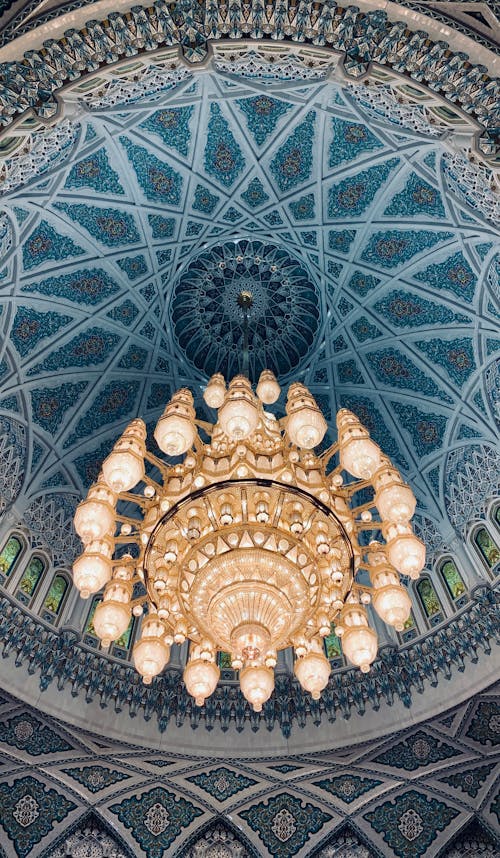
(246, 540)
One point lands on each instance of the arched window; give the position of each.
(54, 599)
(9, 556)
(121, 646)
(31, 579)
(224, 661)
(454, 582)
(430, 602)
(333, 648)
(487, 547)
(410, 630)
(89, 635)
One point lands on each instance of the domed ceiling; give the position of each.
(369, 242)
(124, 253)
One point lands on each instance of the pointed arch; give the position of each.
(346, 842)
(218, 831)
(473, 840)
(91, 828)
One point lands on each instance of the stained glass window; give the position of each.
(487, 546)
(31, 576)
(410, 630)
(89, 625)
(452, 579)
(497, 515)
(55, 596)
(9, 555)
(409, 623)
(224, 661)
(428, 597)
(333, 647)
(124, 641)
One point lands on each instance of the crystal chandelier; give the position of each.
(250, 543)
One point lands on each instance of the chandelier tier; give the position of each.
(251, 543)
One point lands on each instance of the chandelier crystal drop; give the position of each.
(249, 542)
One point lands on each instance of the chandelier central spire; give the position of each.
(249, 544)
(245, 301)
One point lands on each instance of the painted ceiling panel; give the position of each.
(120, 267)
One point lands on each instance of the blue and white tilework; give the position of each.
(370, 284)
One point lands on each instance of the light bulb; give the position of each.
(239, 416)
(111, 620)
(201, 678)
(394, 499)
(360, 646)
(176, 431)
(124, 467)
(95, 516)
(313, 672)
(393, 605)
(359, 455)
(215, 391)
(150, 653)
(359, 641)
(257, 685)
(93, 568)
(268, 389)
(305, 426)
(405, 551)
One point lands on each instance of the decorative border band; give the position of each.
(31, 84)
(61, 657)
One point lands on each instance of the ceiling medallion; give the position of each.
(250, 544)
(284, 316)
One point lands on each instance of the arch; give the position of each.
(12, 460)
(121, 647)
(429, 601)
(453, 581)
(31, 579)
(495, 515)
(218, 832)
(486, 548)
(11, 554)
(363, 38)
(345, 842)
(89, 830)
(473, 840)
(55, 596)
(89, 635)
(410, 630)
(333, 649)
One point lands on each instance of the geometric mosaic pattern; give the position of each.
(375, 278)
(311, 804)
(221, 783)
(316, 196)
(485, 725)
(348, 787)
(421, 749)
(369, 37)
(95, 778)
(284, 824)
(155, 819)
(29, 812)
(410, 823)
(470, 781)
(27, 733)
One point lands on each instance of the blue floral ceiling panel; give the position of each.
(122, 257)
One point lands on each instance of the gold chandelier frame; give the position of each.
(249, 544)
